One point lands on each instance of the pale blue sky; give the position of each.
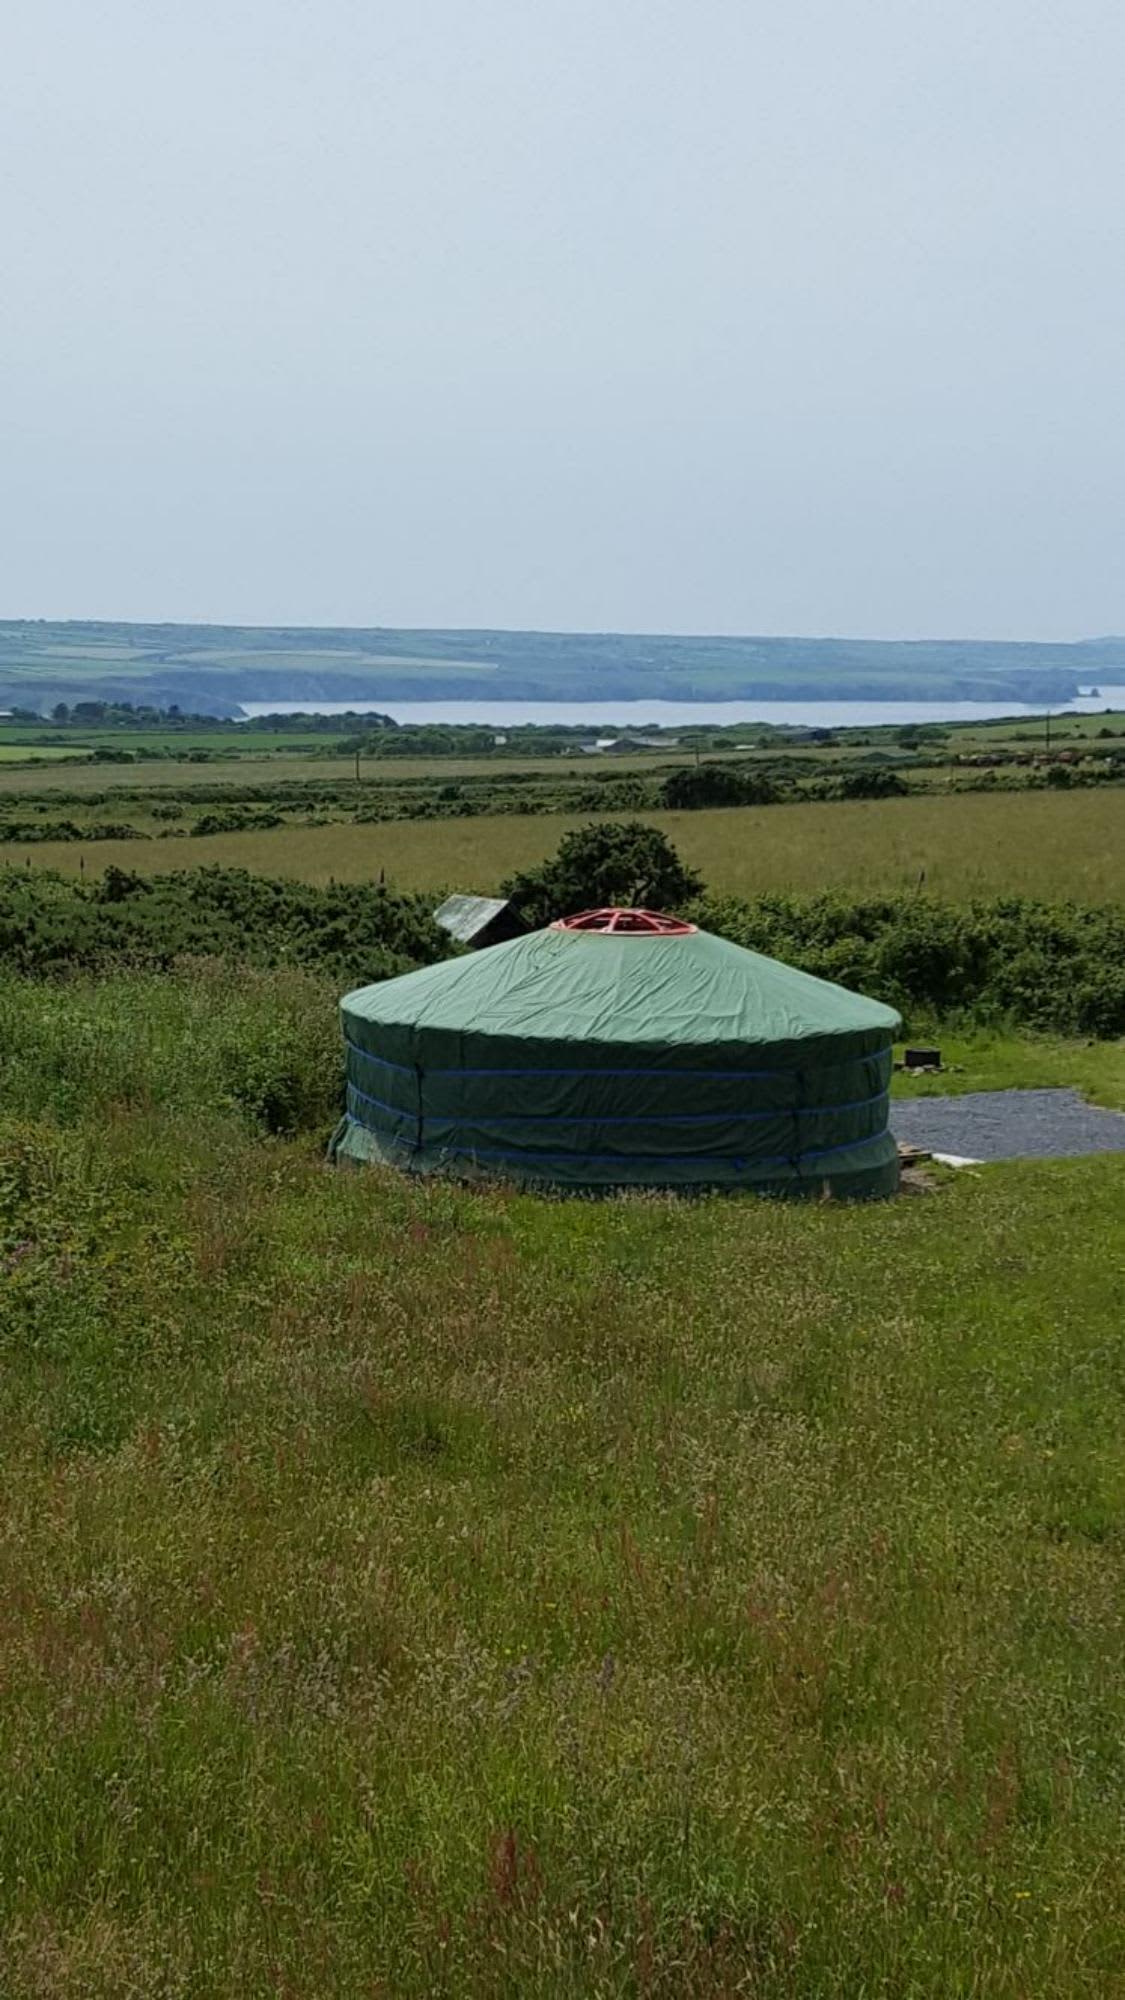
(698, 315)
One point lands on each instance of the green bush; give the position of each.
(700, 785)
(610, 861)
(352, 933)
(282, 1081)
(610, 793)
(1053, 966)
(868, 784)
(31, 831)
(236, 819)
(872, 782)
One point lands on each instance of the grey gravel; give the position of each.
(1009, 1125)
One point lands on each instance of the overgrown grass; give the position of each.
(1047, 844)
(208, 1040)
(419, 1591)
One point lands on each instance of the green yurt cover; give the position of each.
(595, 1057)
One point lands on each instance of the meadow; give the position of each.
(255, 765)
(416, 1591)
(1042, 843)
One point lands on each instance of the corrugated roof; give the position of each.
(464, 917)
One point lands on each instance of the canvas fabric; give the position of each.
(601, 1060)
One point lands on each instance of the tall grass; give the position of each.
(1046, 844)
(411, 1590)
(215, 1038)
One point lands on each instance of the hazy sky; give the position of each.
(697, 315)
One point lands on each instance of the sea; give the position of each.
(600, 716)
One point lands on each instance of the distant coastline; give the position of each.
(222, 670)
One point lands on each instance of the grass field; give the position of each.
(413, 1591)
(1024, 843)
(270, 767)
(290, 752)
(124, 779)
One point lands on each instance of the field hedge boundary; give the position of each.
(1057, 967)
(51, 924)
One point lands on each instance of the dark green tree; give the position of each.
(717, 785)
(608, 862)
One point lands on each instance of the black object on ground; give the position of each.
(1009, 1125)
(922, 1058)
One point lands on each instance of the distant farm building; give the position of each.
(621, 745)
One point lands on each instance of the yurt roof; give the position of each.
(615, 985)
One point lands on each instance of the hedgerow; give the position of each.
(1054, 966)
(355, 932)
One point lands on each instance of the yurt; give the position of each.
(621, 1048)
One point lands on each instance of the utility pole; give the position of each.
(357, 767)
(1048, 720)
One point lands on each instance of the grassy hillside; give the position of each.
(1044, 843)
(213, 668)
(413, 1591)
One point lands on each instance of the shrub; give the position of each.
(610, 861)
(353, 932)
(237, 819)
(869, 784)
(283, 1083)
(1057, 967)
(698, 785)
(611, 793)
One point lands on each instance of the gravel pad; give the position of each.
(1008, 1125)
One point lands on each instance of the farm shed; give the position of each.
(479, 920)
(622, 1048)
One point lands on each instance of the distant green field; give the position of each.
(268, 767)
(1049, 844)
(229, 753)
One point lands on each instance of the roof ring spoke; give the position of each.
(620, 922)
